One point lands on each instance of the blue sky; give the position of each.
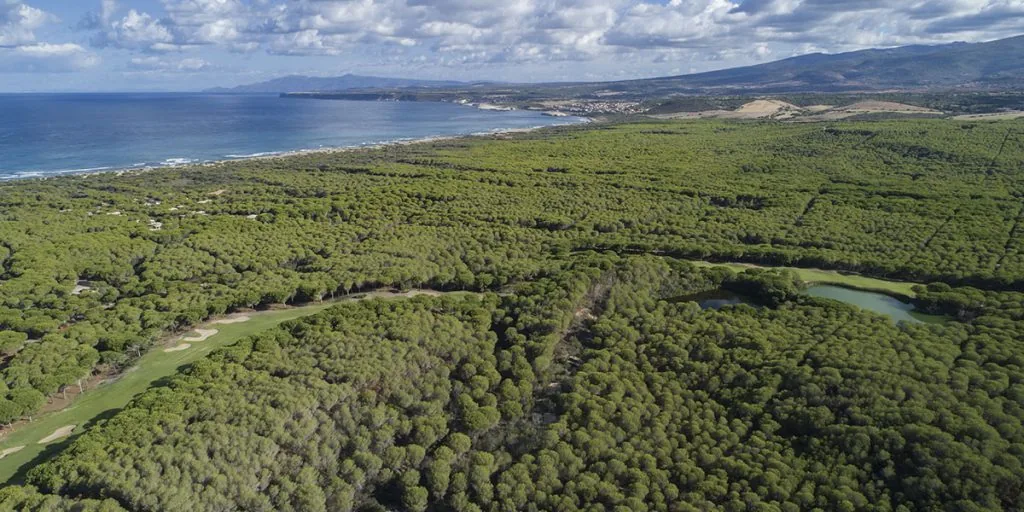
(181, 45)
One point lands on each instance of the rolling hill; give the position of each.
(994, 64)
(989, 66)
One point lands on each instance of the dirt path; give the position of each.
(58, 434)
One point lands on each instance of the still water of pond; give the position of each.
(713, 299)
(878, 302)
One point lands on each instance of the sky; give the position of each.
(187, 45)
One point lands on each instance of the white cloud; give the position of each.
(458, 32)
(21, 52)
(762, 52)
(50, 50)
(107, 10)
(136, 31)
(220, 31)
(155, 63)
(46, 57)
(19, 21)
(679, 24)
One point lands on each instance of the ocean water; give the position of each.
(43, 134)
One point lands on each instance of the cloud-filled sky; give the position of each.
(90, 45)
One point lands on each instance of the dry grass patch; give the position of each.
(994, 116)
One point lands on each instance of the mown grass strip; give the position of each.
(22, 446)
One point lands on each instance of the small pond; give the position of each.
(878, 302)
(713, 299)
(887, 305)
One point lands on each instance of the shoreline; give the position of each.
(271, 155)
(180, 163)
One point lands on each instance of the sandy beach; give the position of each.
(274, 155)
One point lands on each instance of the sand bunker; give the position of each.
(58, 434)
(9, 451)
(232, 320)
(417, 293)
(179, 348)
(203, 334)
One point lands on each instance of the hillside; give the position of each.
(989, 66)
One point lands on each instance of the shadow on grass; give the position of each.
(54, 448)
(166, 380)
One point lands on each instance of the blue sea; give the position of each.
(45, 134)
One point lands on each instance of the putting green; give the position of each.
(154, 365)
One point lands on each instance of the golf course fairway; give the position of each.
(31, 443)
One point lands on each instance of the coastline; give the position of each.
(179, 163)
(382, 144)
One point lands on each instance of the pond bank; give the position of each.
(898, 310)
(889, 298)
(813, 276)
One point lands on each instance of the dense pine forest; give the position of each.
(580, 377)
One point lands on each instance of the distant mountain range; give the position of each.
(994, 64)
(990, 65)
(298, 83)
